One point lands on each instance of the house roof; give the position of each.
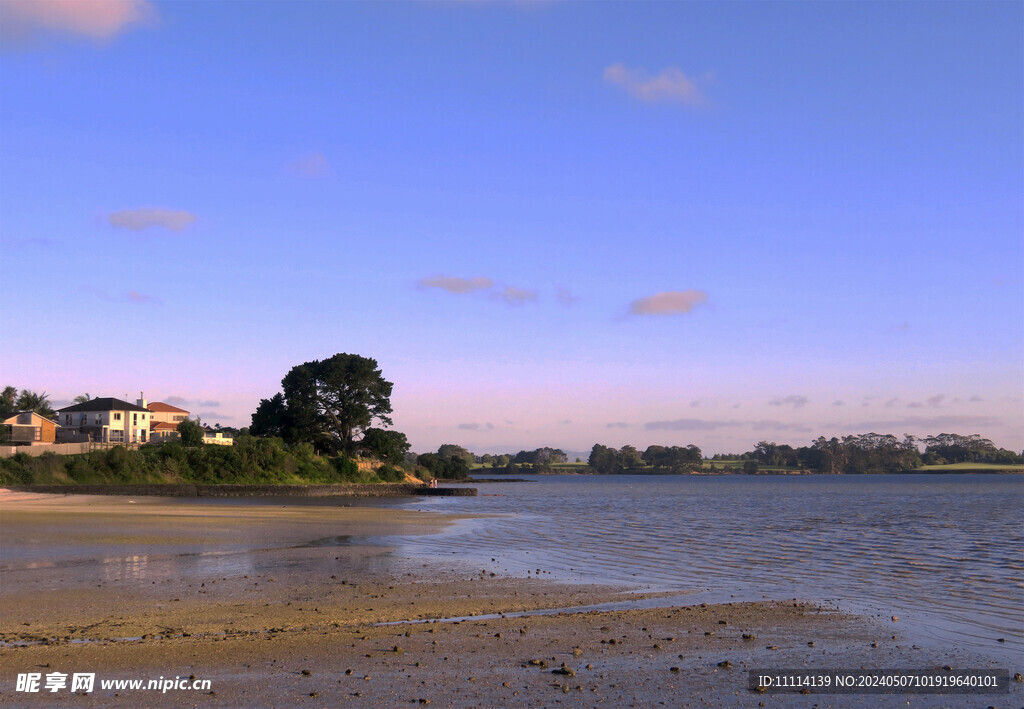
(12, 419)
(163, 408)
(108, 403)
(163, 426)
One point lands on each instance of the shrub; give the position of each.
(390, 474)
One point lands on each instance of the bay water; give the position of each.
(943, 553)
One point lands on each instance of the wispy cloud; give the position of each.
(146, 217)
(566, 298)
(933, 424)
(515, 296)
(476, 426)
(454, 284)
(310, 165)
(140, 298)
(22, 20)
(705, 425)
(668, 302)
(932, 402)
(772, 425)
(671, 84)
(686, 425)
(617, 424)
(212, 417)
(182, 401)
(132, 296)
(793, 400)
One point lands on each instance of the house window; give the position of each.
(180, 418)
(67, 419)
(117, 417)
(135, 419)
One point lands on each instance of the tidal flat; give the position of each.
(278, 603)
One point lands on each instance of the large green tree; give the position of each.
(271, 418)
(388, 446)
(331, 402)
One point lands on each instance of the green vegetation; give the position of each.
(657, 460)
(330, 403)
(981, 467)
(864, 453)
(250, 461)
(11, 402)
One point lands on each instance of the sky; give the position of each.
(550, 223)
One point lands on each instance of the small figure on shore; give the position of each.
(433, 482)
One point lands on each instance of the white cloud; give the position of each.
(668, 303)
(670, 85)
(146, 217)
(454, 284)
(96, 19)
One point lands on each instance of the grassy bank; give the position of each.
(971, 468)
(251, 461)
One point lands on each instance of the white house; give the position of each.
(106, 420)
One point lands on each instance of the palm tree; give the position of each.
(8, 401)
(82, 398)
(31, 401)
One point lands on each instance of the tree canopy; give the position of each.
(11, 401)
(191, 433)
(329, 403)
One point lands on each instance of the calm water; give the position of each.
(944, 553)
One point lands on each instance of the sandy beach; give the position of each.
(281, 604)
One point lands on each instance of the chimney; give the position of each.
(141, 401)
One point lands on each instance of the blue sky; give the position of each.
(550, 223)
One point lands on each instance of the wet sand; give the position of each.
(282, 605)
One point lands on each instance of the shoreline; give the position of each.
(243, 490)
(289, 624)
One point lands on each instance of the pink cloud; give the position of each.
(668, 302)
(98, 19)
(139, 219)
(454, 284)
(516, 296)
(670, 85)
(136, 297)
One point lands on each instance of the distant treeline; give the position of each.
(864, 453)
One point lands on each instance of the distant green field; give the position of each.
(972, 466)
